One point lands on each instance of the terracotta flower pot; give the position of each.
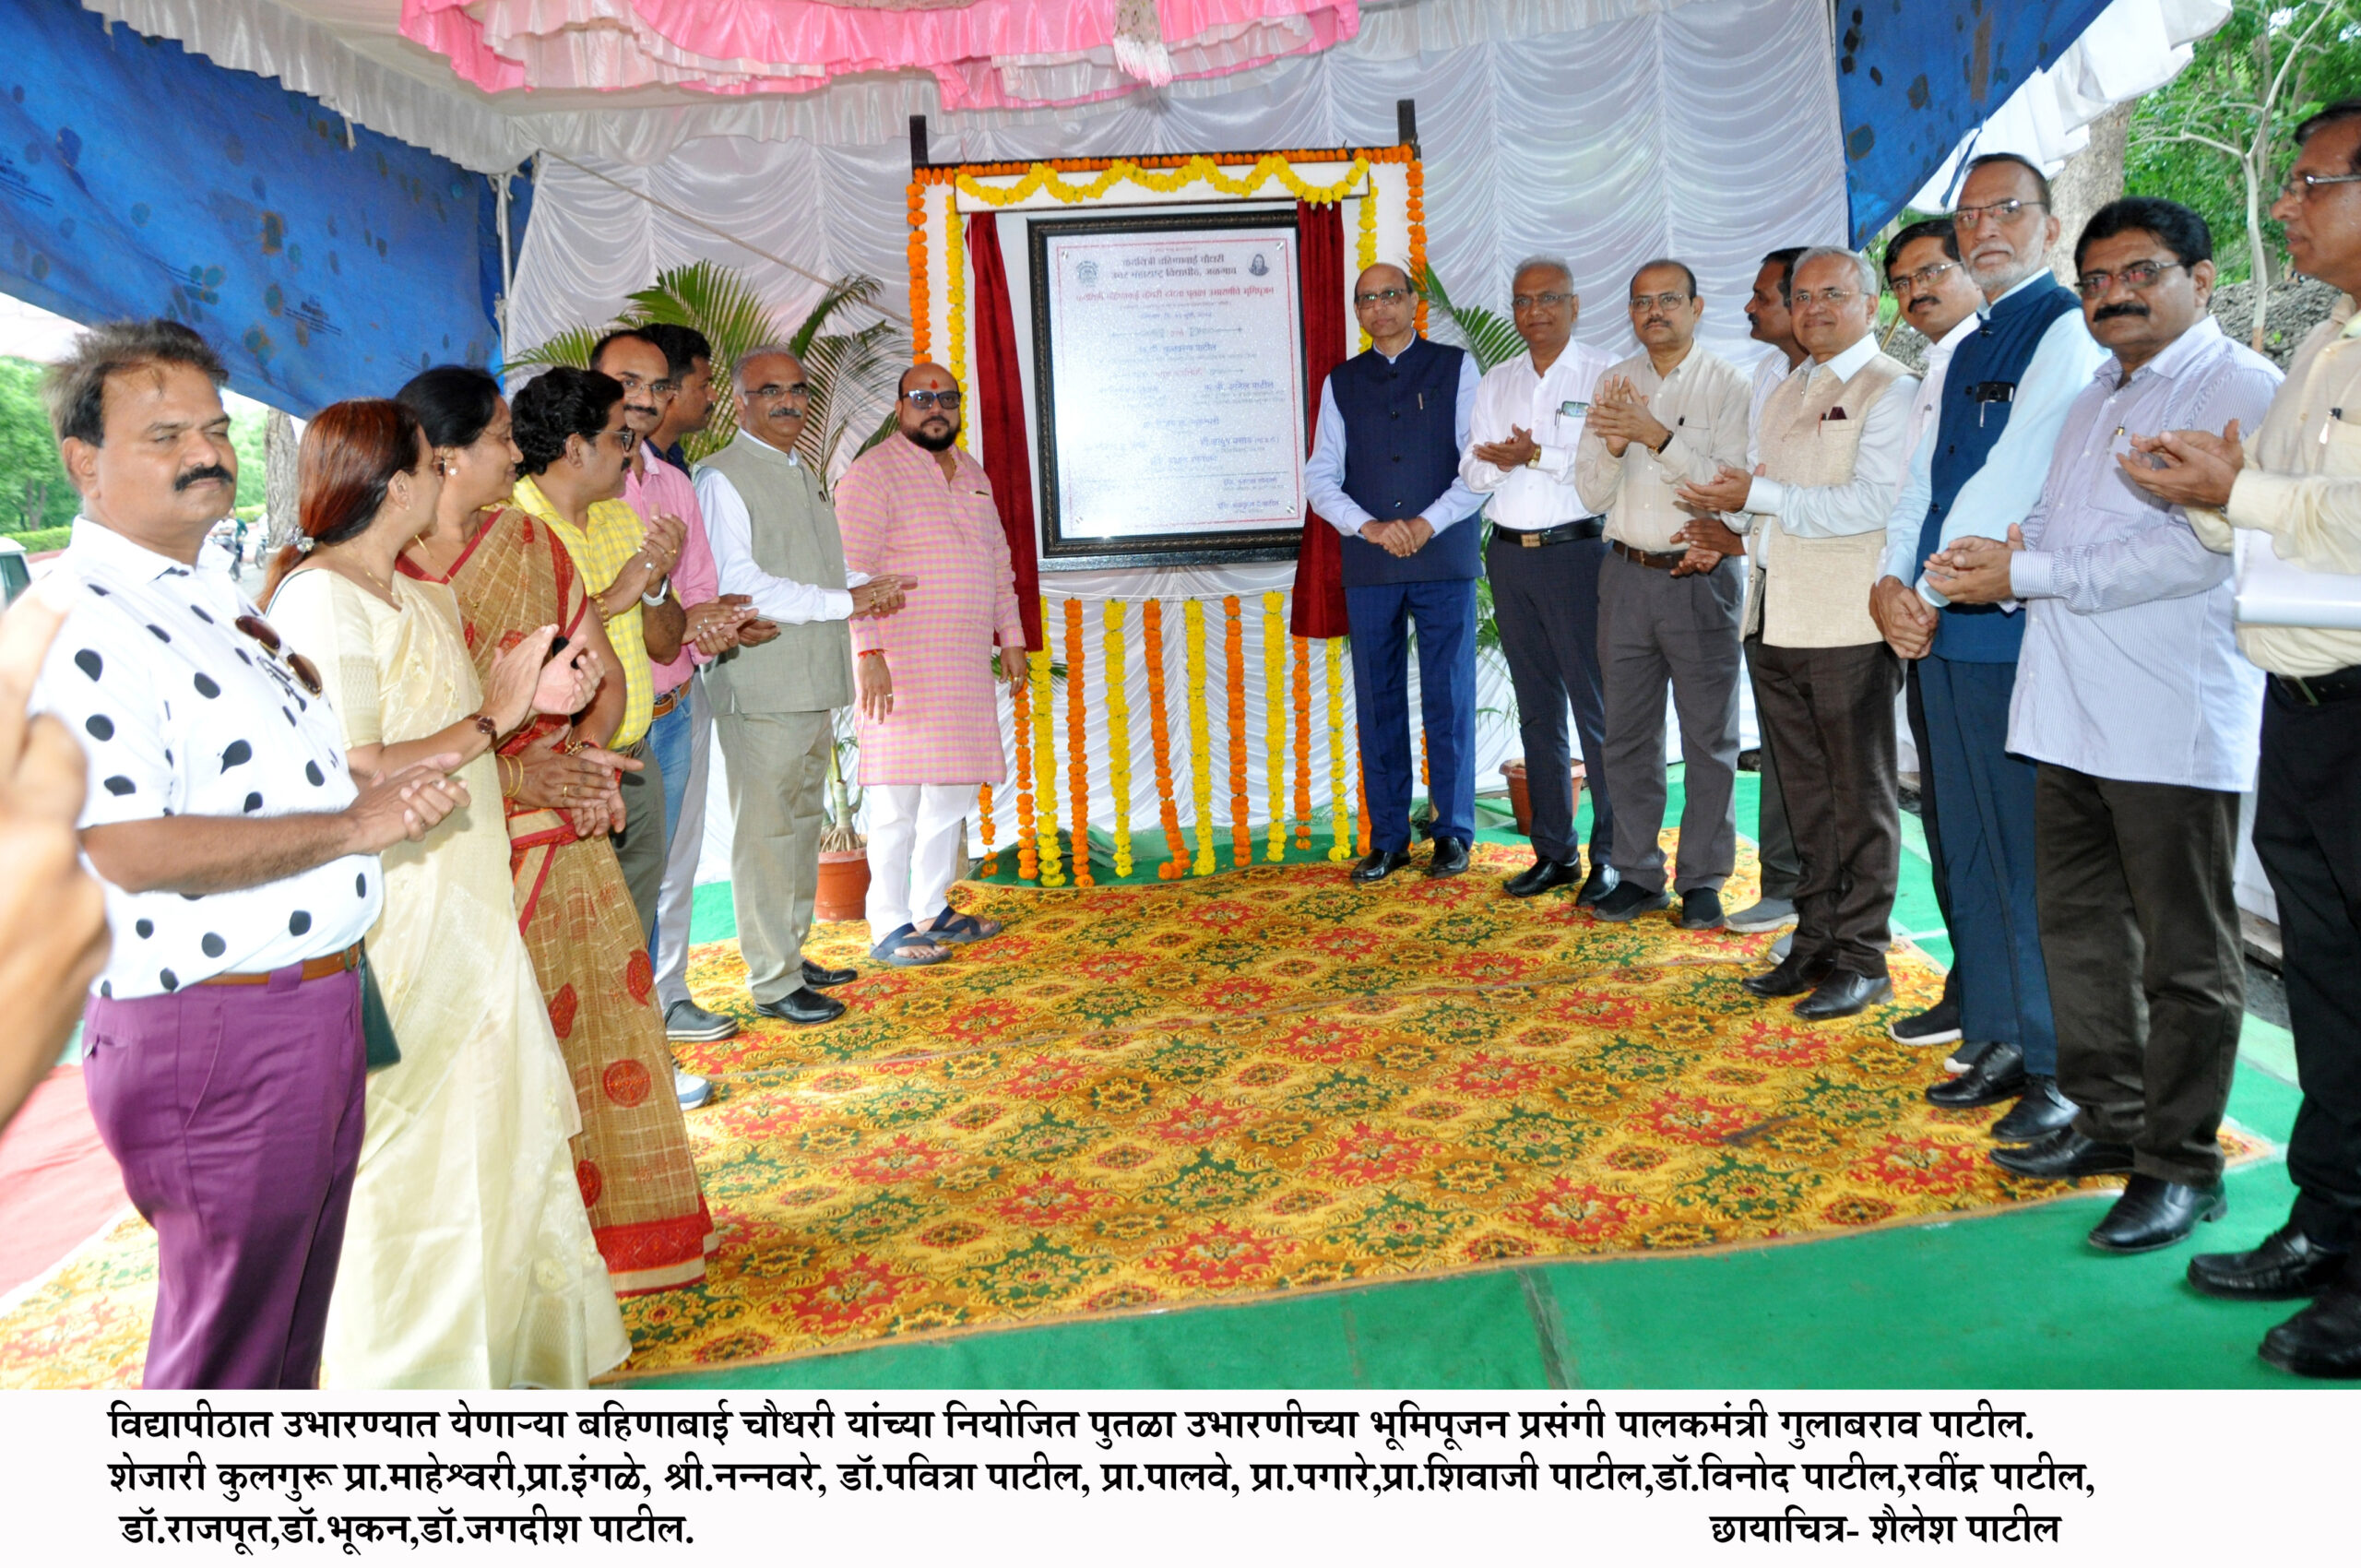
(843, 892)
(1520, 795)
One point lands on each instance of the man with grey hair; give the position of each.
(1829, 455)
(774, 539)
(1546, 549)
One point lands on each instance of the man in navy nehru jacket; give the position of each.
(1384, 471)
(2005, 396)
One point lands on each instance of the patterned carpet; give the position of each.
(1151, 1096)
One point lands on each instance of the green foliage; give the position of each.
(246, 437)
(1489, 335)
(34, 490)
(33, 543)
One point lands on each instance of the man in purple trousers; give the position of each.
(222, 1046)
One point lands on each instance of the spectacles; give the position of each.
(1658, 302)
(1998, 211)
(625, 438)
(1925, 278)
(1546, 301)
(2298, 186)
(1384, 296)
(799, 390)
(1826, 296)
(259, 629)
(2137, 275)
(923, 399)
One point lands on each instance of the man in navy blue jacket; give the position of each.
(1384, 472)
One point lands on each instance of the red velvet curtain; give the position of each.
(1000, 415)
(1318, 608)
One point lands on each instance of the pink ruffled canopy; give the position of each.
(984, 54)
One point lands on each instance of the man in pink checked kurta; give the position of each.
(929, 718)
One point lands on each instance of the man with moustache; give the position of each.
(2005, 395)
(2296, 488)
(1669, 608)
(1384, 472)
(774, 539)
(916, 506)
(1829, 461)
(2132, 698)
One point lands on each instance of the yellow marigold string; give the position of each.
(1119, 735)
(1275, 721)
(1078, 761)
(1175, 854)
(1045, 770)
(1044, 179)
(1233, 650)
(1028, 865)
(1302, 744)
(954, 277)
(1201, 745)
(1366, 253)
(1337, 820)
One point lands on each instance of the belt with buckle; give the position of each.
(313, 968)
(667, 702)
(1564, 533)
(1660, 560)
(2311, 691)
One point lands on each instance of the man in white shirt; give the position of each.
(1543, 564)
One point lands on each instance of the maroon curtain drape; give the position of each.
(999, 398)
(1318, 606)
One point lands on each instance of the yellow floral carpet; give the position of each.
(1149, 1096)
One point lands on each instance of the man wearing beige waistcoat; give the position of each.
(1829, 454)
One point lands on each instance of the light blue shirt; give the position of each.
(2130, 668)
(1324, 471)
(2006, 487)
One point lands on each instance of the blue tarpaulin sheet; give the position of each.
(138, 179)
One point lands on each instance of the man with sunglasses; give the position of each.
(2292, 490)
(2131, 699)
(222, 1046)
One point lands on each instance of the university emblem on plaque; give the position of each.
(1085, 272)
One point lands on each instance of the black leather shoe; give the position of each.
(2287, 1265)
(1999, 1074)
(2064, 1156)
(2041, 1111)
(1628, 900)
(1542, 876)
(818, 978)
(1379, 864)
(1793, 977)
(1700, 910)
(803, 1006)
(2323, 1341)
(1603, 880)
(1966, 1054)
(1843, 994)
(1450, 857)
(2154, 1213)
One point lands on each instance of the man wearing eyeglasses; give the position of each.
(774, 539)
(222, 1049)
(918, 506)
(2293, 494)
(1978, 472)
(2132, 700)
(1384, 472)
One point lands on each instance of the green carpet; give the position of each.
(2011, 1300)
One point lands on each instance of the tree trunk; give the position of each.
(2257, 263)
(2090, 179)
(278, 492)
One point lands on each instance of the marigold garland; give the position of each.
(1119, 735)
(1175, 854)
(1343, 850)
(1275, 721)
(1028, 865)
(1415, 174)
(1360, 792)
(1302, 744)
(1233, 652)
(918, 277)
(1201, 745)
(955, 271)
(1044, 769)
(1043, 178)
(1077, 761)
(1365, 255)
(984, 825)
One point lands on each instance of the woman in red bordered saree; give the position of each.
(511, 574)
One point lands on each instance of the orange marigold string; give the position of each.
(984, 826)
(1159, 723)
(1077, 764)
(1361, 793)
(1233, 650)
(1302, 744)
(918, 279)
(1028, 864)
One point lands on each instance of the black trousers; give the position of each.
(1914, 710)
(2140, 934)
(1829, 713)
(1775, 841)
(1546, 603)
(2308, 830)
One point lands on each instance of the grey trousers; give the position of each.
(778, 778)
(1774, 837)
(639, 848)
(1654, 628)
(678, 899)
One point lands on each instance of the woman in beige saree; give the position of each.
(467, 1261)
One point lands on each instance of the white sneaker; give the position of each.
(1763, 914)
(691, 1090)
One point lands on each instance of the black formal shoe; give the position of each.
(2064, 1156)
(803, 1006)
(1843, 994)
(819, 978)
(1603, 880)
(2323, 1341)
(2040, 1112)
(1999, 1074)
(1379, 864)
(1542, 876)
(1450, 857)
(1938, 1025)
(1793, 977)
(2287, 1265)
(1628, 900)
(1700, 910)
(2154, 1213)
(1966, 1054)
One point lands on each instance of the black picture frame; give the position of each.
(1097, 554)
